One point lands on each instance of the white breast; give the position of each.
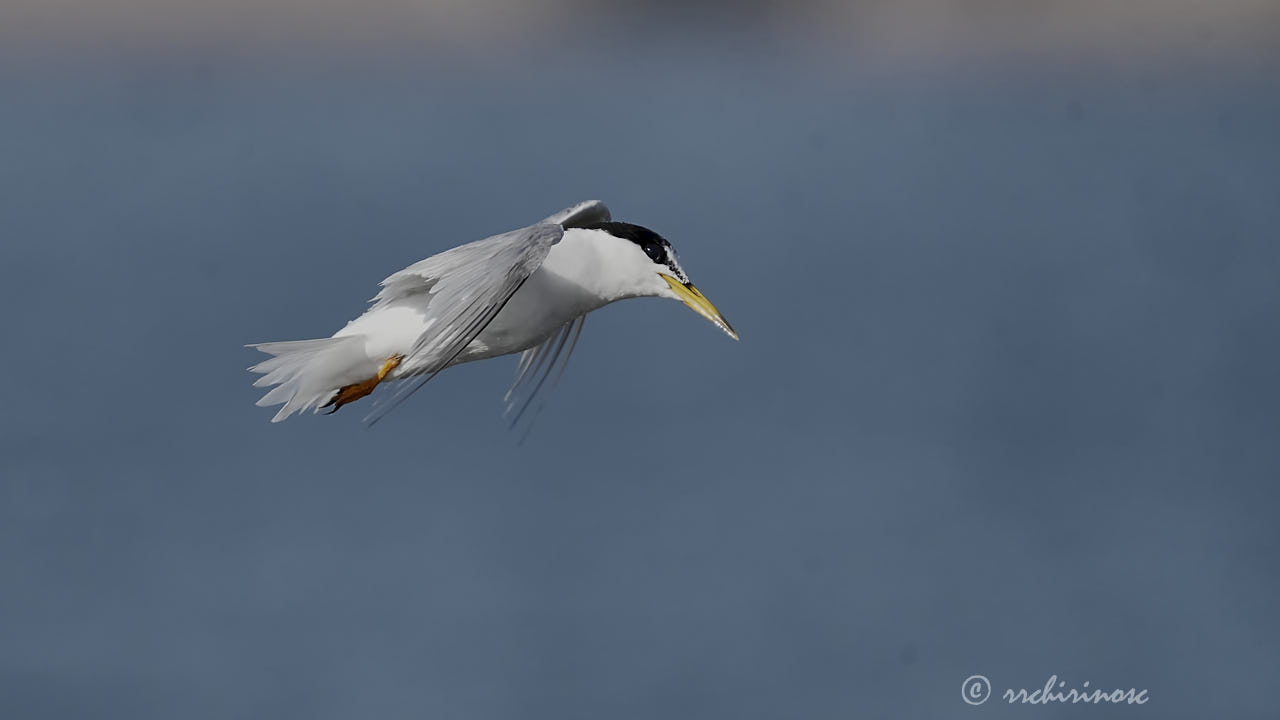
(585, 271)
(562, 289)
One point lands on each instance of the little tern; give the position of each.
(526, 291)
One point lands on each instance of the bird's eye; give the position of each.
(654, 251)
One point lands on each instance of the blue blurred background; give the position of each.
(1005, 401)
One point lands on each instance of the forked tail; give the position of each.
(311, 374)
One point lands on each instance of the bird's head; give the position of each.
(652, 269)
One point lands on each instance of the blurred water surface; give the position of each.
(1004, 402)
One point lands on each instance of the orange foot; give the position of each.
(350, 393)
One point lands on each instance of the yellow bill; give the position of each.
(700, 304)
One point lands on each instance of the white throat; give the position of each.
(602, 266)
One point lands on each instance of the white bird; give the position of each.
(528, 290)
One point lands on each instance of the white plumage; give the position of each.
(524, 290)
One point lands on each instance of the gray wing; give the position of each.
(469, 285)
(539, 362)
(542, 360)
(590, 211)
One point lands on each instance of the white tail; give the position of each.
(308, 373)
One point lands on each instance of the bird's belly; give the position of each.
(543, 304)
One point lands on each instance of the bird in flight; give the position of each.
(526, 291)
